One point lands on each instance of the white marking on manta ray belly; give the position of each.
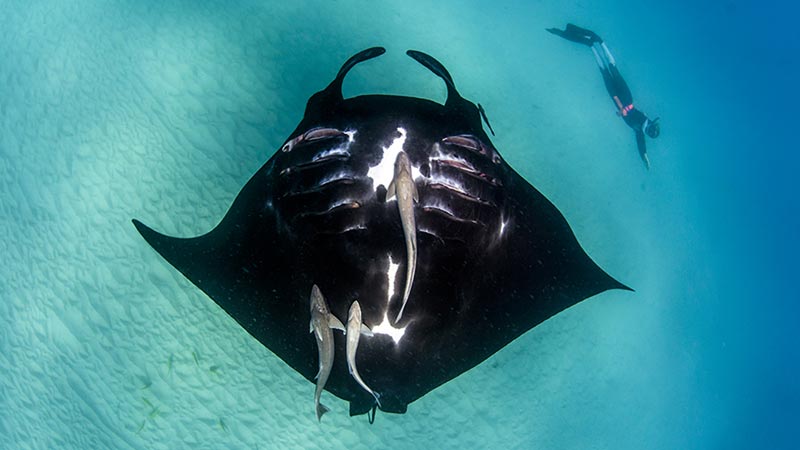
(450, 183)
(341, 150)
(341, 175)
(356, 227)
(386, 327)
(441, 206)
(450, 157)
(383, 172)
(337, 151)
(342, 203)
(503, 225)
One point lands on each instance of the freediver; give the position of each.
(615, 84)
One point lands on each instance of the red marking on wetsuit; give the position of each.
(627, 109)
(624, 110)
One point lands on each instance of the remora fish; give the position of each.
(404, 188)
(354, 331)
(322, 323)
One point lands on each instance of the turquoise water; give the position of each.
(162, 110)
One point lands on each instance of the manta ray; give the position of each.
(361, 190)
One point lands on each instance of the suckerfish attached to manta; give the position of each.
(403, 187)
(354, 331)
(322, 325)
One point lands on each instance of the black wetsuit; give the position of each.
(615, 85)
(623, 101)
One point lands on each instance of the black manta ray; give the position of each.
(492, 256)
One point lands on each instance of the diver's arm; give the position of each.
(642, 148)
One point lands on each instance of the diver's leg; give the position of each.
(608, 54)
(598, 59)
(608, 73)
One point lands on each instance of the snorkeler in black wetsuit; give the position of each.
(615, 84)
